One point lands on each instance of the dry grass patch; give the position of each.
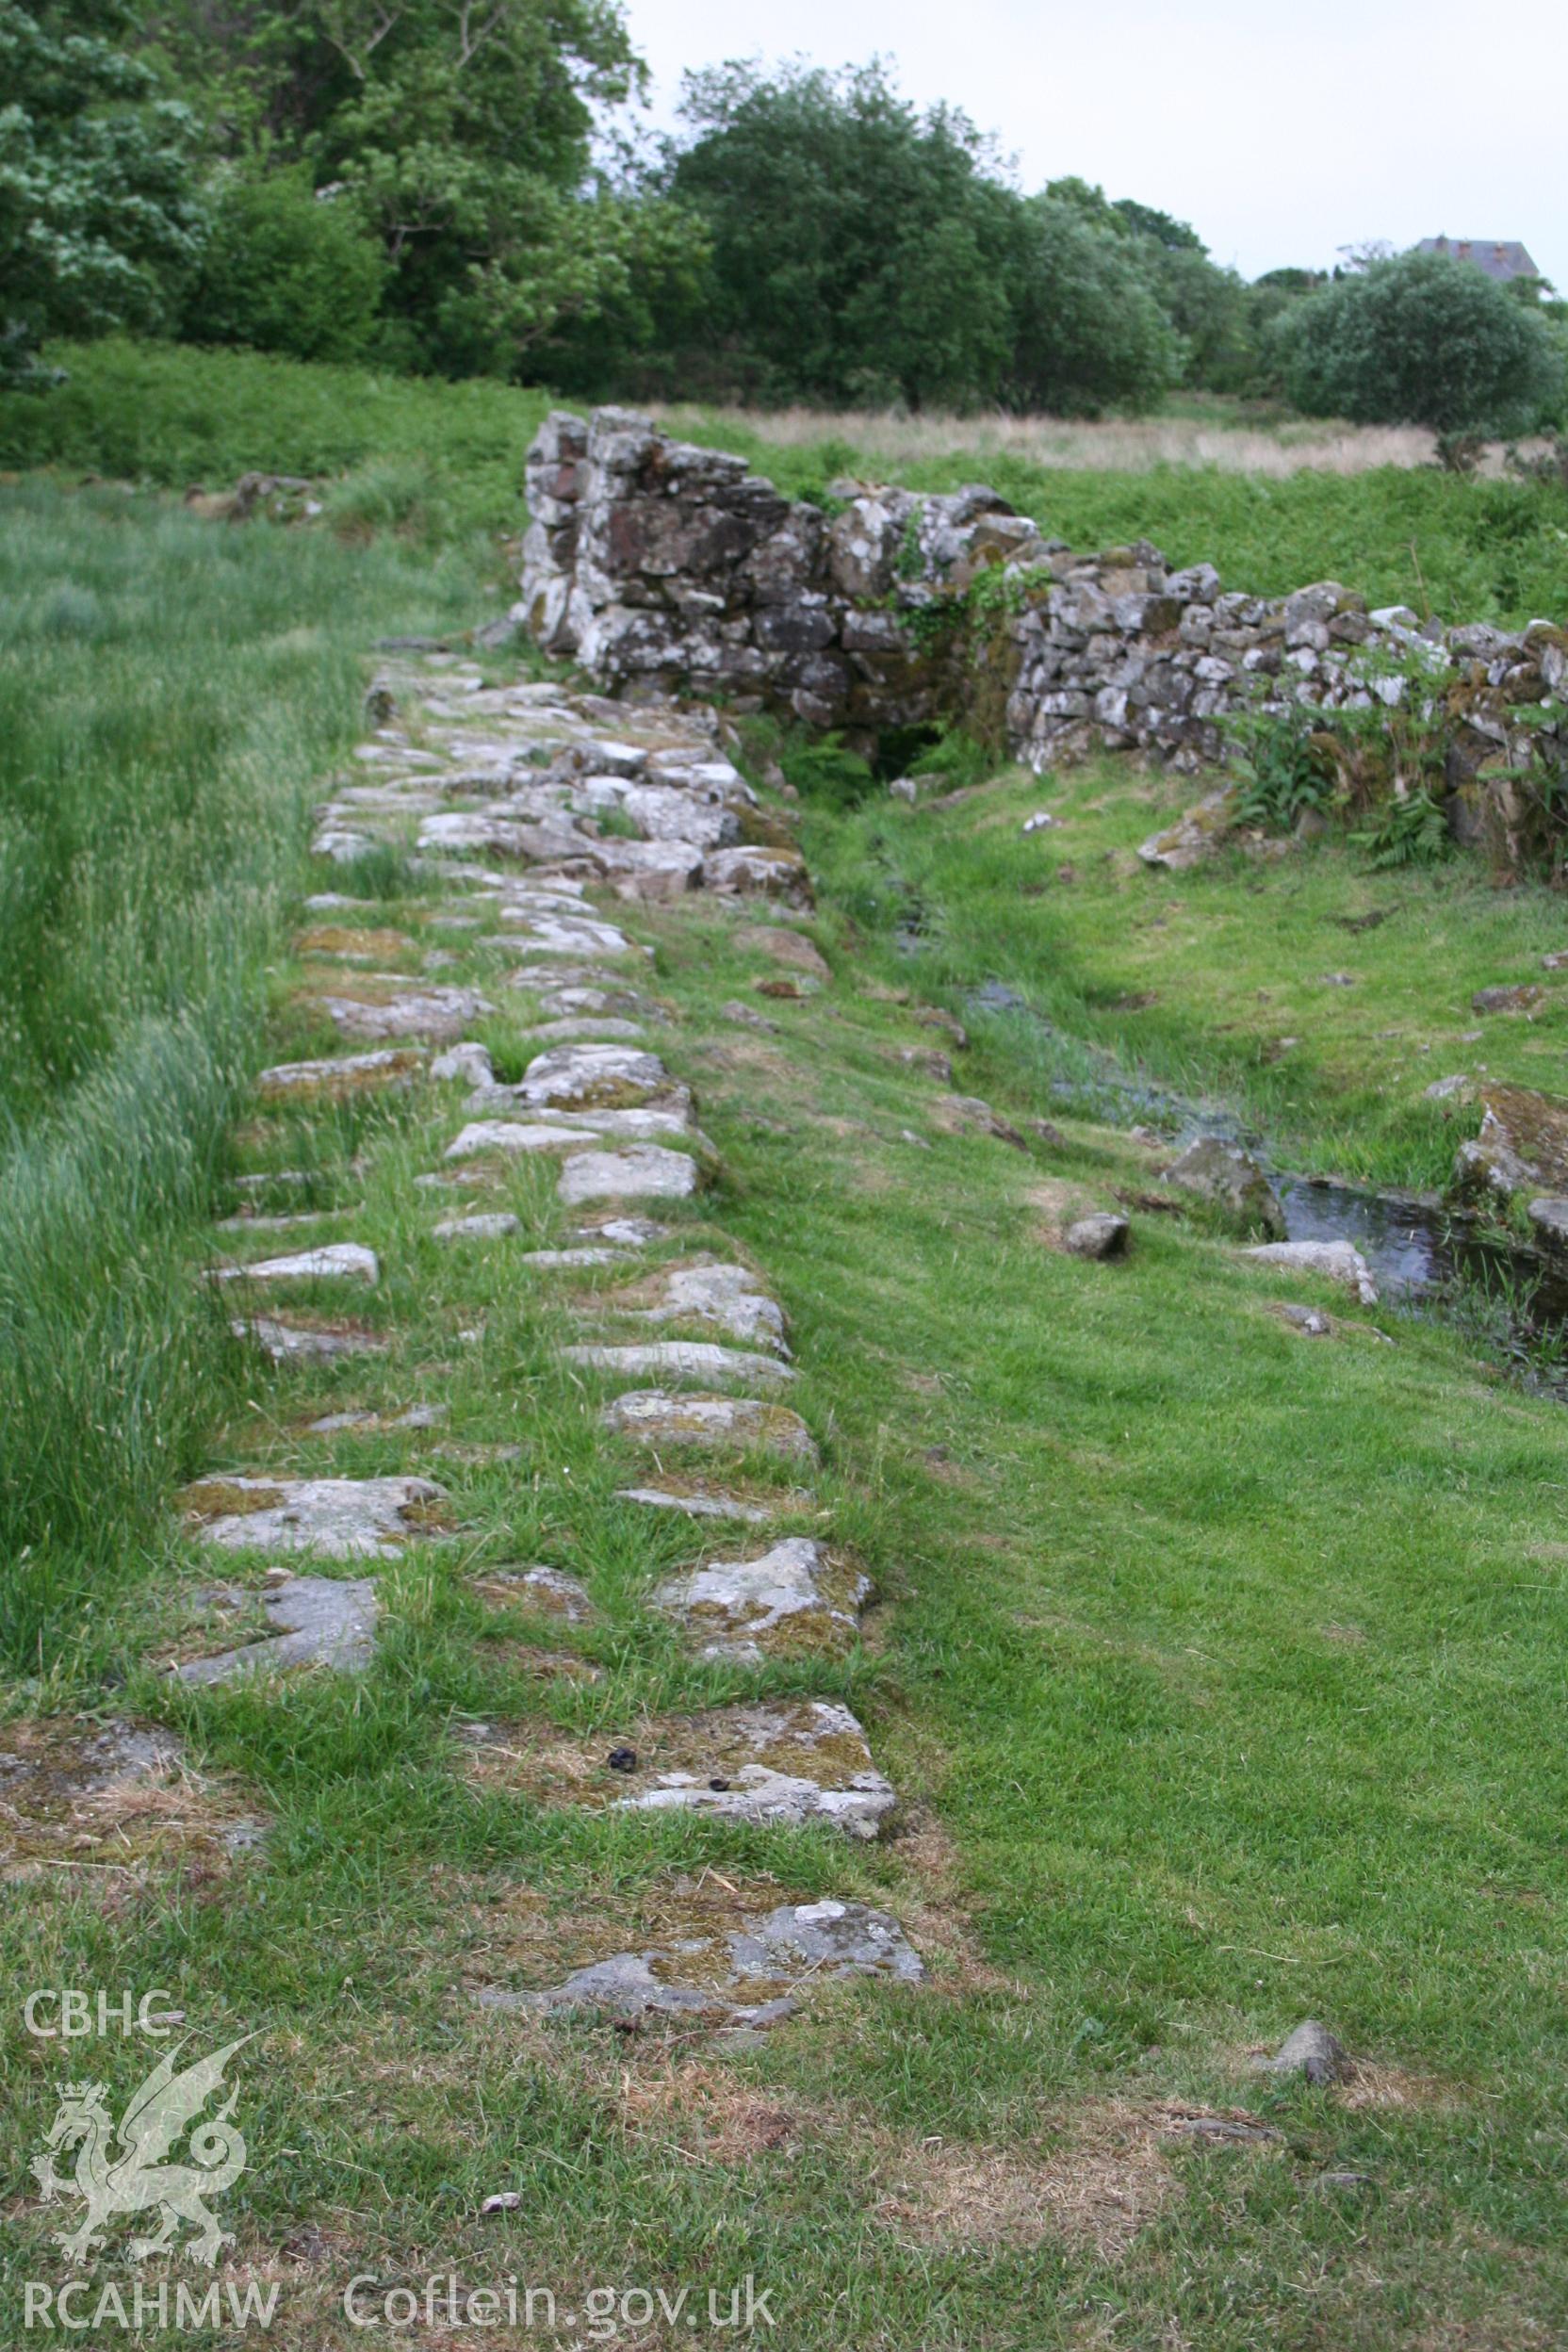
(1114, 445)
(1111, 2176)
(117, 1798)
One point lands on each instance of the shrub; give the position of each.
(286, 270)
(1421, 340)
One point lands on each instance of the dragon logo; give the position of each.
(135, 2177)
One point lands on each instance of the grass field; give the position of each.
(443, 461)
(1217, 1667)
(171, 692)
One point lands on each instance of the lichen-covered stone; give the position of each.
(739, 1425)
(646, 1172)
(1336, 1261)
(334, 1518)
(321, 1621)
(1223, 1173)
(792, 1600)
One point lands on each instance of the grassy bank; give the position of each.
(450, 457)
(450, 454)
(1317, 997)
(171, 692)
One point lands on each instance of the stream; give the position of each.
(1424, 1255)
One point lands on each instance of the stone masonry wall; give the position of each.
(660, 566)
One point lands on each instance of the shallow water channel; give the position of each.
(1424, 1255)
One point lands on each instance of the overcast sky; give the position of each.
(1280, 134)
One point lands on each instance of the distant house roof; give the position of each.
(1500, 256)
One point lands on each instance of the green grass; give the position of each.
(177, 416)
(172, 692)
(1213, 1675)
(1217, 1667)
(1228, 982)
(448, 459)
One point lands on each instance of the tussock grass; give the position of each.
(435, 460)
(171, 694)
(1222, 438)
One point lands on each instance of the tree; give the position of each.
(1206, 307)
(857, 245)
(459, 131)
(1420, 339)
(286, 269)
(865, 252)
(1089, 331)
(99, 216)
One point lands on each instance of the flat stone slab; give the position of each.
(593, 1077)
(484, 1226)
(1336, 1261)
(551, 1591)
(701, 1504)
(563, 1260)
(334, 1518)
(654, 1417)
(793, 1600)
(321, 1621)
(756, 873)
(513, 1137)
(791, 1762)
(705, 1292)
(645, 1123)
(662, 814)
(569, 1001)
(586, 1028)
(437, 1014)
(569, 935)
(332, 1080)
(643, 1173)
(75, 1794)
(305, 1343)
(753, 1974)
(335, 1261)
(680, 1359)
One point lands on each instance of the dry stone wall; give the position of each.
(664, 567)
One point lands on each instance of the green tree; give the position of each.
(1089, 333)
(99, 216)
(864, 252)
(1420, 339)
(857, 248)
(286, 269)
(1206, 307)
(461, 133)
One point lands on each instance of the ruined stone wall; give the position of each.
(662, 566)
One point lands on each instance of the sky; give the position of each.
(1280, 134)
